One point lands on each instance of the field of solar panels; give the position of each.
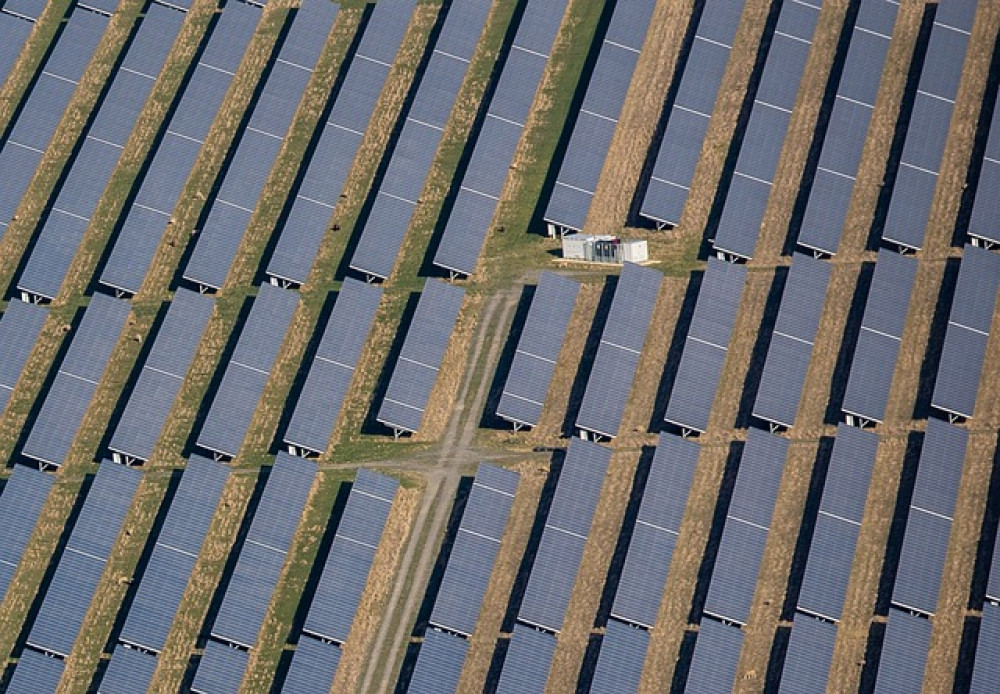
(298, 394)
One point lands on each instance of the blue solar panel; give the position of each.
(35, 673)
(20, 326)
(529, 657)
(129, 671)
(439, 663)
(986, 207)
(416, 370)
(314, 665)
(986, 672)
(24, 495)
(904, 653)
(14, 33)
(715, 658)
(619, 664)
(32, 9)
(462, 26)
(220, 669)
(807, 661)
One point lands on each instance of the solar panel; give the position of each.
(715, 658)
(32, 9)
(129, 671)
(986, 207)
(807, 660)
(175, 154)
(262, 556)
(233, 406)
(14, 33)
(24, 495)
(20, 326)
(565, 534)
(529, 657)
(588, 146)
(878, 342)
(345, 571)
(706, 345)
(314, 665)
(790, 350)
(904, 653)
(81, 369)
(474, 550)
(415, 371)
(439, 663)
(986, 671)
(82, 562)
(644, 573)
(619, 664)
(687, 120)
(618, 353)
(332, 369)
(36, 672)
(220, 669)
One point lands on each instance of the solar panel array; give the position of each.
(79, 570)
(399, 190)
(36, 672)
(986, 669)
(68, 398)
(930, 118)
(416, 370)
(233, 406)
(439, 668)
(538, 347)
(595, 124)
(770, 114)
(620, 662)
(928, 525)
(29, 9)
(161, 376)
(318, 408)
(878, 341)
(840, 157)
(564, 536)
(748, 520)
(339, 140)
(809, 654)
(715, 658)
(529, 656)
(14, 32)
(343, 579)
(788, 355)
(618, 353)
(509, 107)
(77, 198)
(129, 671)
(968, 331)
(258, 568)
(314, 665)
(687, 120)
(835, 535)
(24, 495)
(259, 144)
(985, 206)
(904, 653)
(20, 326)
(41, 112)
(706, 345)
(174, 155)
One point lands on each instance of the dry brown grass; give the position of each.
(372, 608)
(640, 115)
(515, 540)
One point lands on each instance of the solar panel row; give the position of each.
(29, 9)
(904, 653)
(346, 568)
(618, 353)
(24, 495)
(339, 140)
(706, 345)
(835, 535)
(36, 672)
(41, 112)
(68, 398)
(964, 352)
(318, 408)
(715, 658)
(595, 124)
(79, 570)
(840, 158)
(744, 535)
(877, 347)
(986, 672)
(538, 348)
(20, 326)
(809, 654)
(161, 376)
(771, 112)
(620, 661)
(233, 405)
(928, 525)
(415, 373)
(564, 536)
(399, 190)
(510, 105)
(790, 350)
(526, 665)
(986, 207)
(259, 144)
(314, 665)
(129, 671)
(174, 155)
(930, 118)
(14, 33)
(439, 667)
(687, 120)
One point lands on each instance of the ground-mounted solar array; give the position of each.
(298, 394)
